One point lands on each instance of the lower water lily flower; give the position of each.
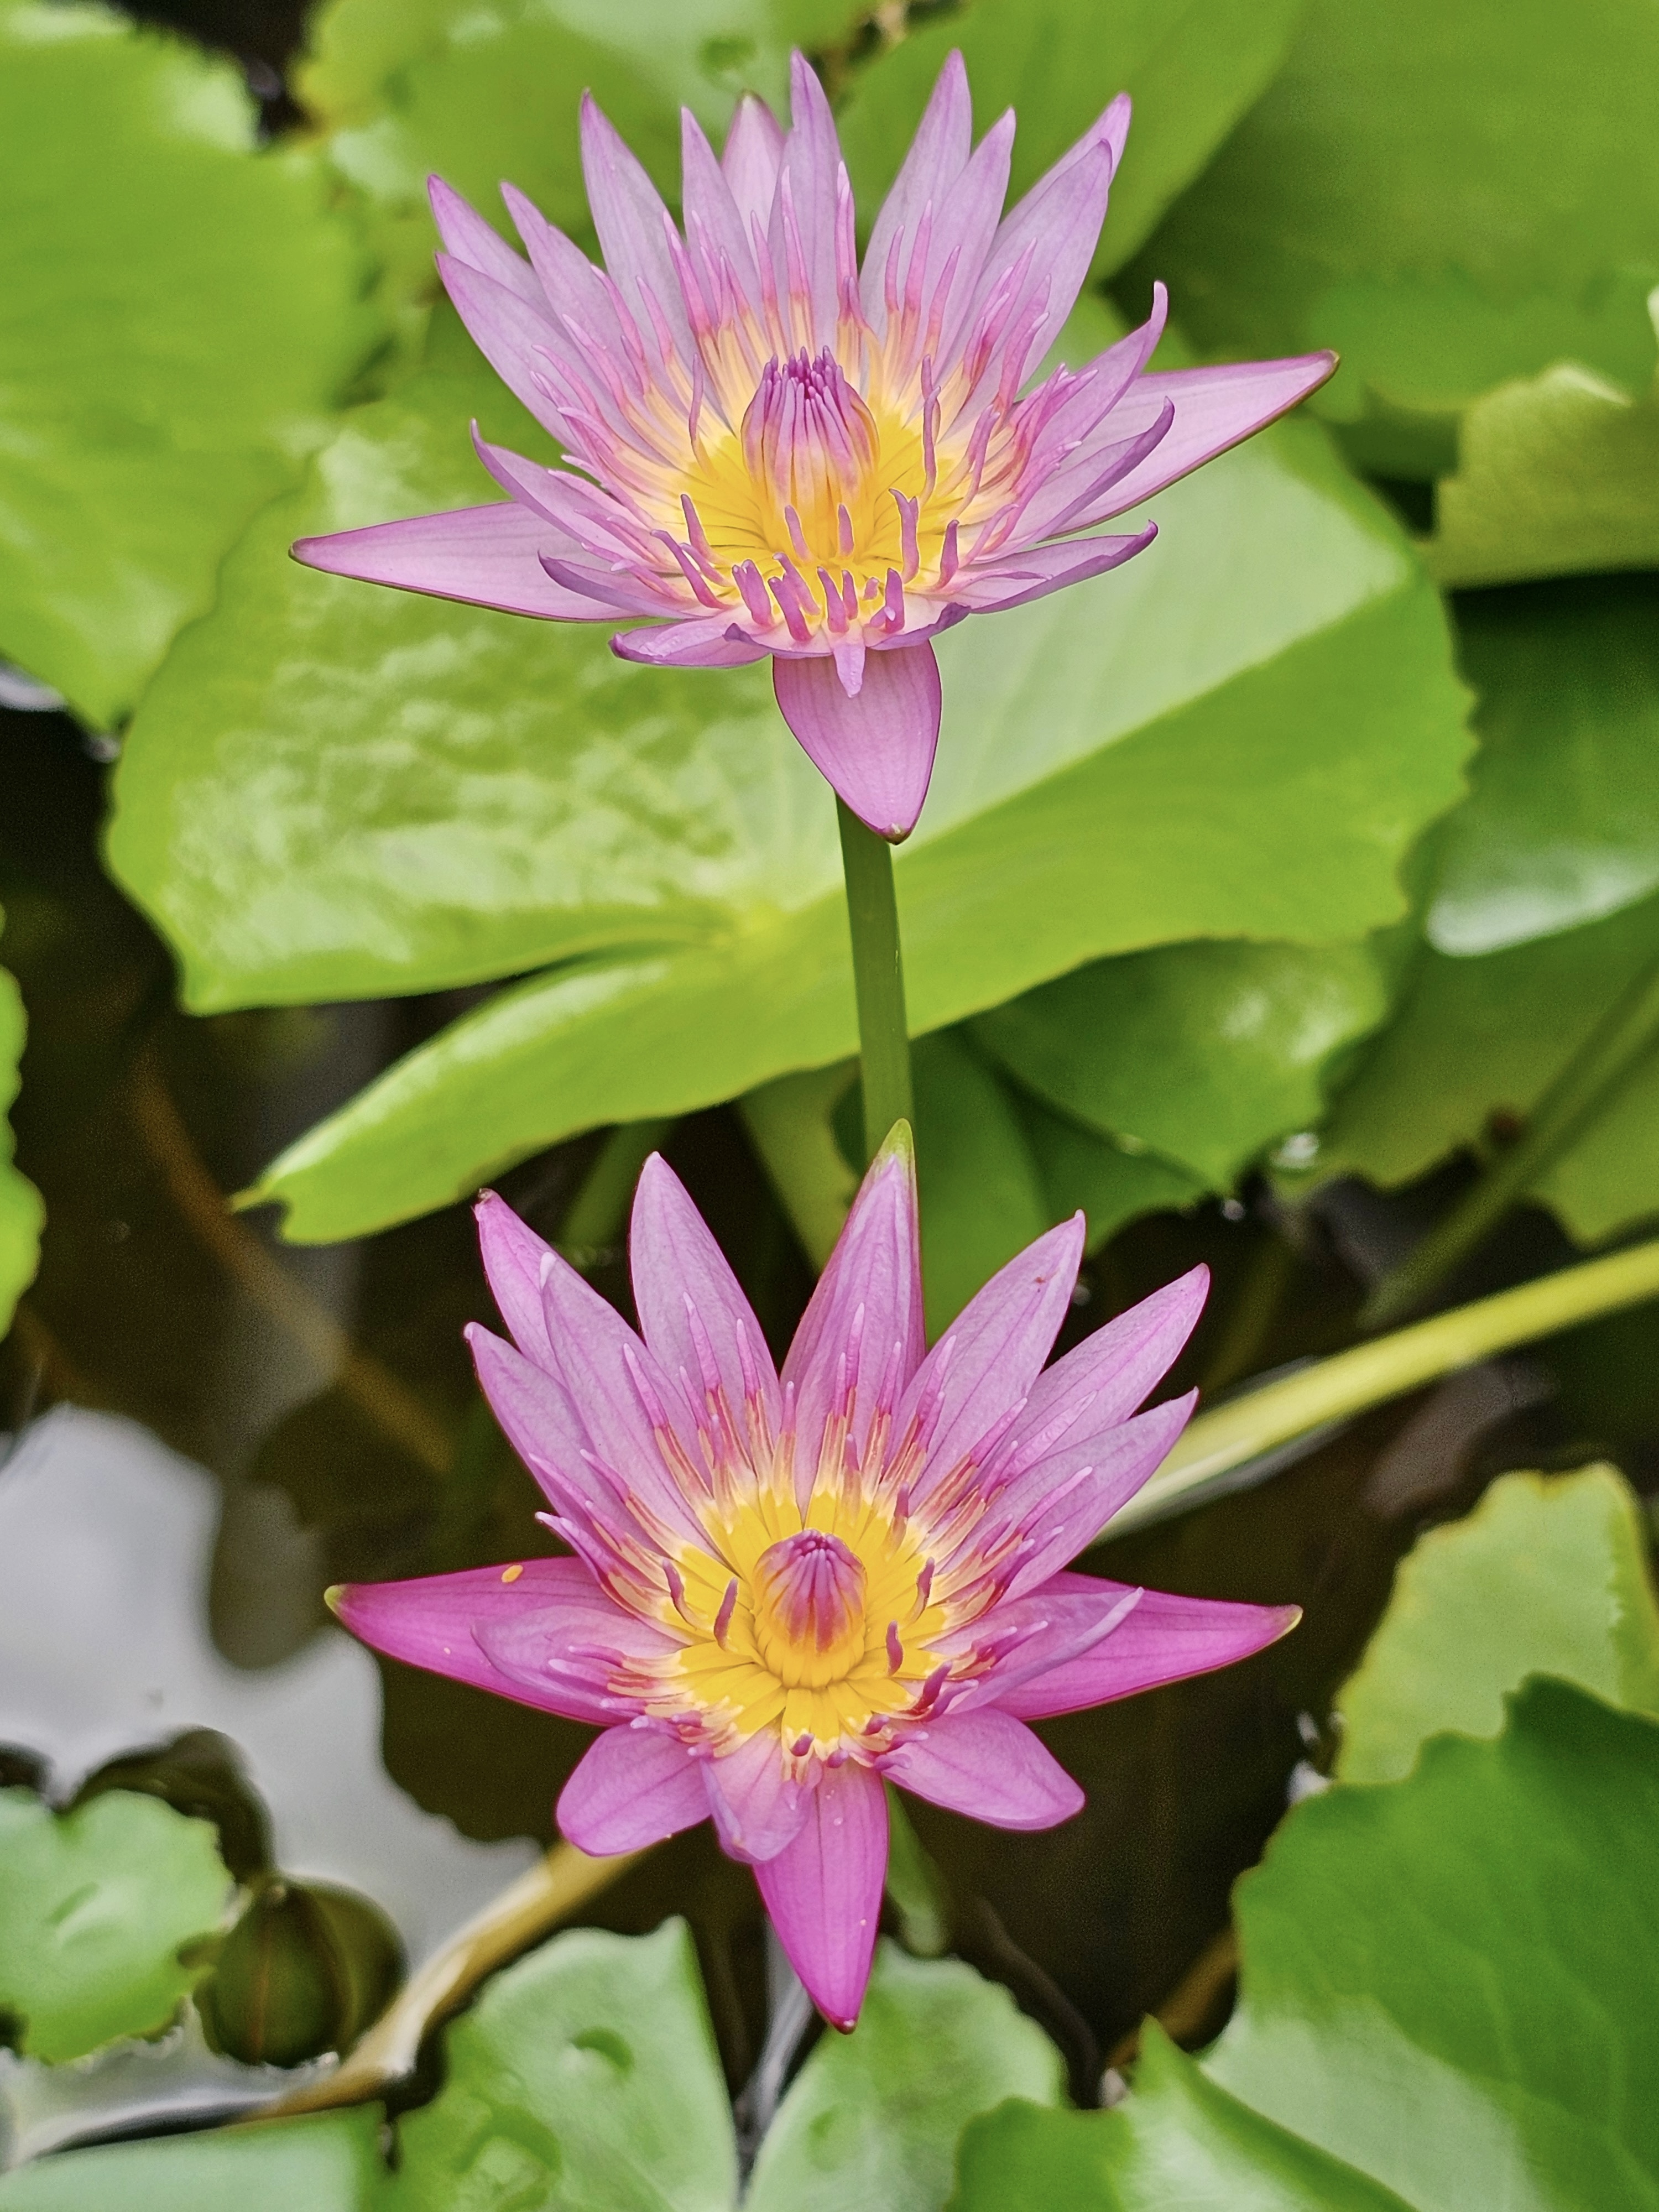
(773, 448)
(785, 1591)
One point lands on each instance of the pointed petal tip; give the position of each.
(334, 1598)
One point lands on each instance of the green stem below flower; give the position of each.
(1624, 1036)
(878, 978)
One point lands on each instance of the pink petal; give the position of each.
(469, 238)
(509, 330)
(1117, 1464)
(752, 157)
(1215, 407)
(572, 1652)
(692, 1310)
(633, 226)
(807, 177)
(713, 222)
(1164, 1639)
(824, 1890)
(877, 750)
(487, 556)
(710, 642)
(568, 282)
(938, 153)
(988, 1766)
(993, 1351)
(634, 1787)
(1106, 1376)
(758, 1809)
(863, 1324)
(619, 1393)
(433, 1621)
(540, 1423)
(1019, 578)
(1056, 225)
(611, 589)
(513, 1256)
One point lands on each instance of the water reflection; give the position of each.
(105, 1539)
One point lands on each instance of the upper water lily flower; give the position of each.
(785, 1590)
(772, 449)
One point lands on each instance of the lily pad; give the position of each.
(873, 2117)
(1477, 1042)
(1179, 2141)
(20, 1210)
(1547, 1576)
(1562, 823)
(177, 313)
(1193, 70)
(1472, 1948)
(331, 2163)
(96, 1907)
(1452, 196)
(1203, 1054)
(1558, 474)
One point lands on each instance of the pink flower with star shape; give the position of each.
(773, 448)
(786, 1590)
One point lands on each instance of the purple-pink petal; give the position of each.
(877, 750)
(992, 1354)
(513, 1259)
(488, 556)
(469, 238)
(633, 1787)
(988, 1766)
(1105, 1378)
(710, 641)
(758, 1809)
(864, 1322)
(1163, 1638)
(1017, 579)
(1086, 1486)
(824, 1890)
(1215, 408)
(432, 1622)
(693, 1314)
(750, 164)
(633, 225)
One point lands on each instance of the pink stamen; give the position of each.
(747, 577)
(723, 1617)
(895, 1649)
(908, 510)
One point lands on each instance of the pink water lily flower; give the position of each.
(772, 449)
(787, 1589)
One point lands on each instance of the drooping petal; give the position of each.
(824, 1890)
(865, 1316)
(1215, 408)
(469, 238)
(1164, 1638)
(632, 223)
(988, 1359)
(634, 1787)
(758, 1809)
(1040, 570)
(708, 642)
(876, 750)
(693, 1312)
(488, 556)
(988, 1766)
(433, 1622)
(752, 156)
(1105, 1378)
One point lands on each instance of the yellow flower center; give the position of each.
(815, 1624)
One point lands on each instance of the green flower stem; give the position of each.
(1250, 1426)
(1583, 1087)
(877, 977)
(597, 1212)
